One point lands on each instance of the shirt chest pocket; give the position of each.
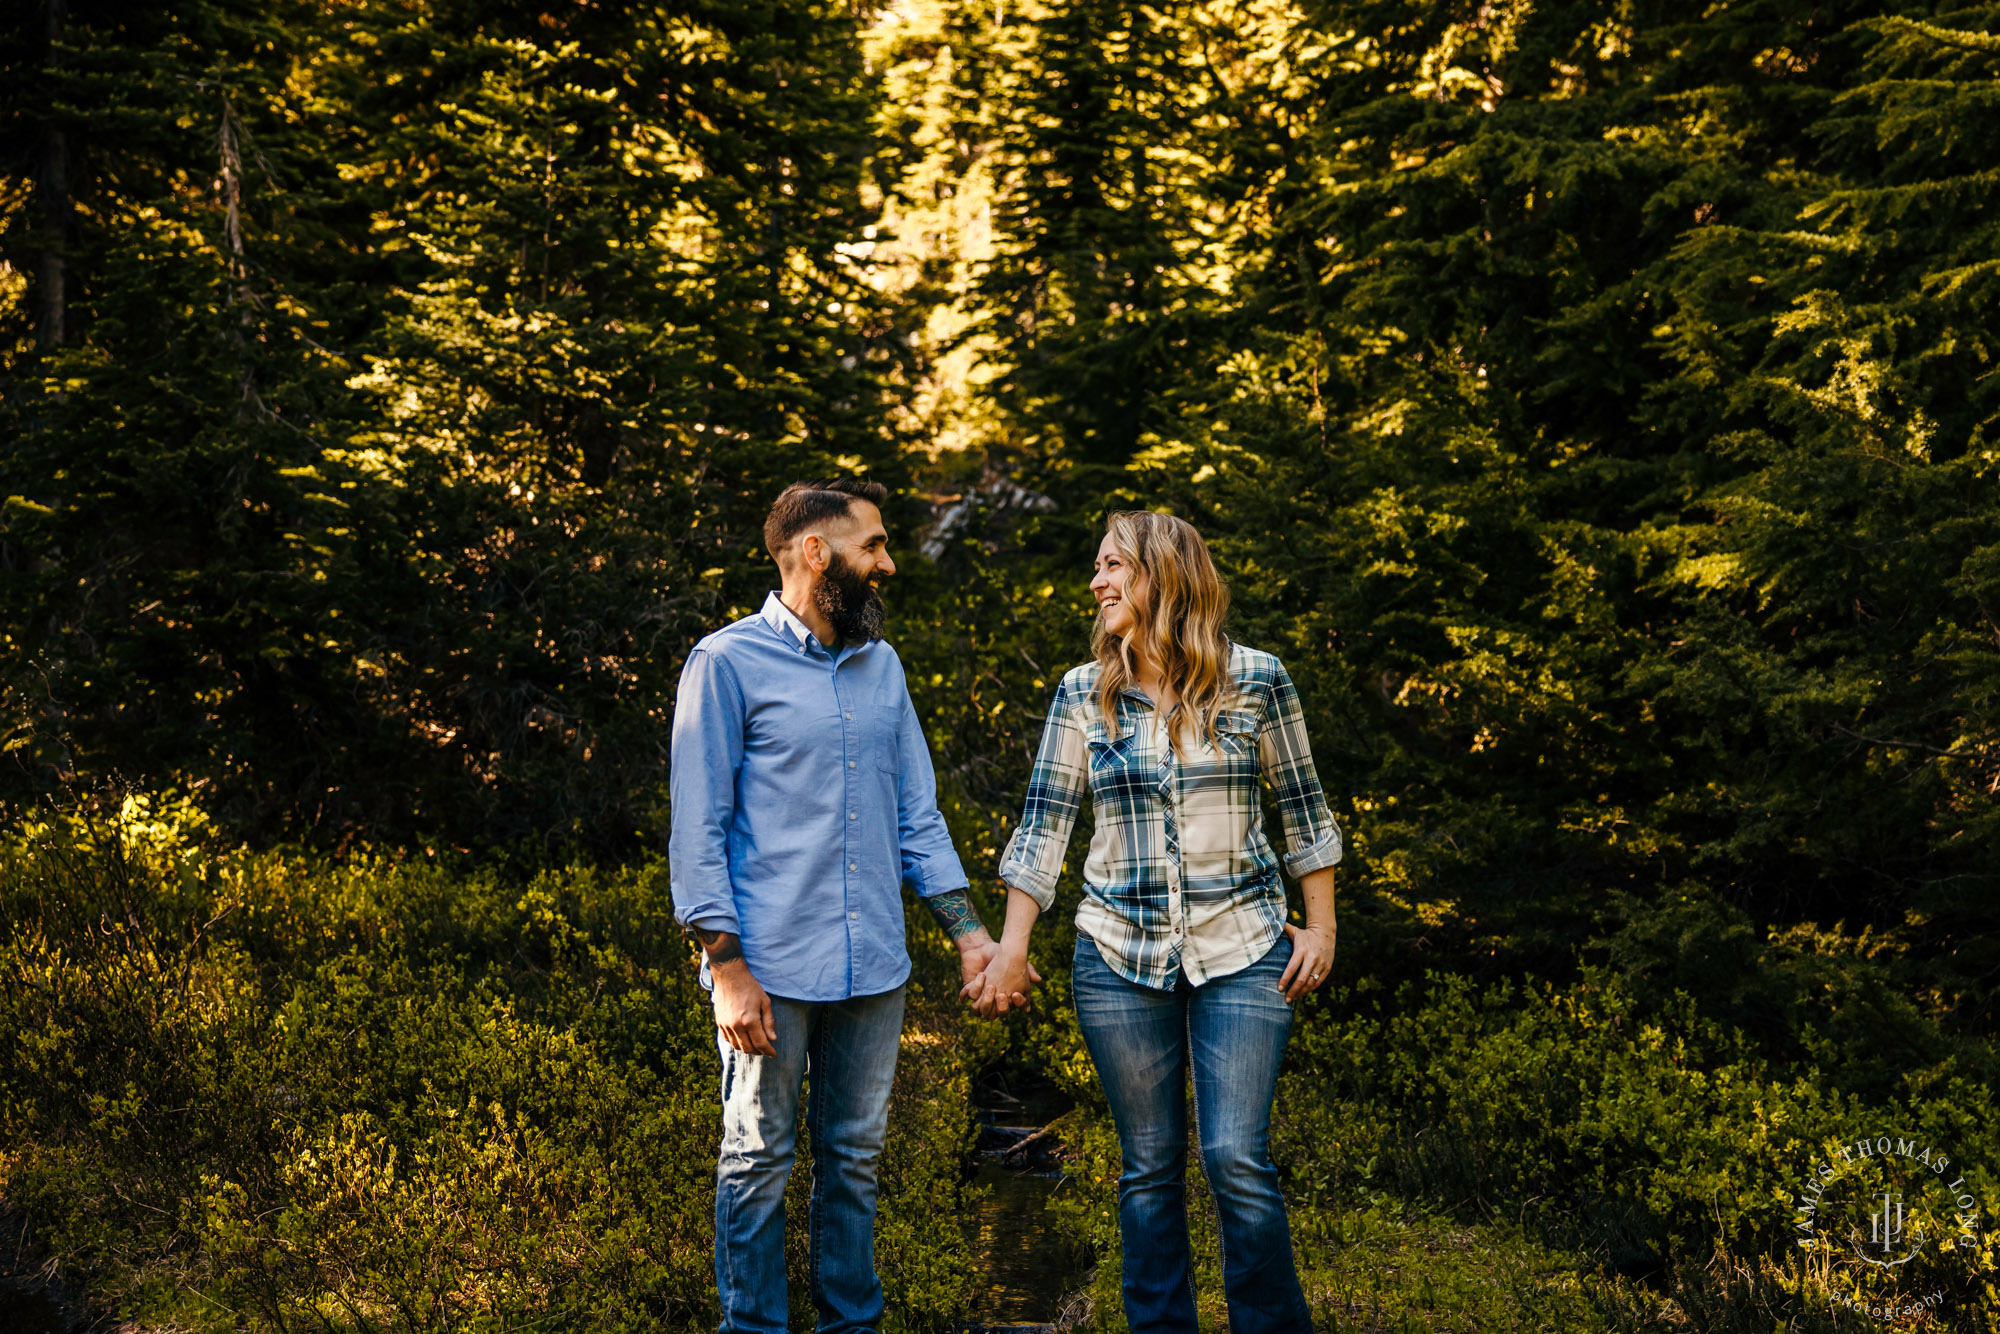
(1106, 752)
(1123, 776)
(1236, 734)
(877, 732)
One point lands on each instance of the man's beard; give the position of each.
(853, 608)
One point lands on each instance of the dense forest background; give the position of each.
(1594, 405)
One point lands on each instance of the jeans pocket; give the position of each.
(1269, 971)
(1093, 986)
(1084, 956)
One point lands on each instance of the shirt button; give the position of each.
(852, 816)
(850, 866)
(847, 715)
(853, 916)
(850, 764)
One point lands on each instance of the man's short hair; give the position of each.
(804, 505)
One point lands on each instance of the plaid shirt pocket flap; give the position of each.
(1104, 749)
(1236, 730)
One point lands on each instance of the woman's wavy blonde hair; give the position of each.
(1178, 600)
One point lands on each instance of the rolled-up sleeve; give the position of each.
(930, 862)
(1034, 857)
(1285, 754)
(706, 755)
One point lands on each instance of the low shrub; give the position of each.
(268, 1090)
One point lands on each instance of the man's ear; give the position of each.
(815, 552)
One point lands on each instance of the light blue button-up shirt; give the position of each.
(803, 796)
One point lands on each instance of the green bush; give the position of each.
(267, 1090)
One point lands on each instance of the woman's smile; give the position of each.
(1107, 585)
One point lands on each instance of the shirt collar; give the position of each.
(782, 619)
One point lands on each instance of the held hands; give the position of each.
(979, 955)
(1009, 977)
(1006, 982)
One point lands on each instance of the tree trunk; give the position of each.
(58, 210)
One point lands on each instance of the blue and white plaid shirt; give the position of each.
(1180, 876)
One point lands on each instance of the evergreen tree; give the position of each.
(430, 368)
(1602, 432)
(183, 534)
(630, 329)
(1106, 212)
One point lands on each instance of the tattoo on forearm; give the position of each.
(722, 946)
(955, 913)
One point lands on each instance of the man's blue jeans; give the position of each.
(1232, 1031)
(849, 1049)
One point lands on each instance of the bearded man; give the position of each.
(803, 797)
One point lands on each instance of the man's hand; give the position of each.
(960, 920)
(742, 1009)
(975, 950)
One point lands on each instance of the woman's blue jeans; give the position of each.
(1231, 1033)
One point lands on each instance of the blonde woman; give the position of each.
(1185, 962)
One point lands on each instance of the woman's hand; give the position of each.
(1312, 959)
